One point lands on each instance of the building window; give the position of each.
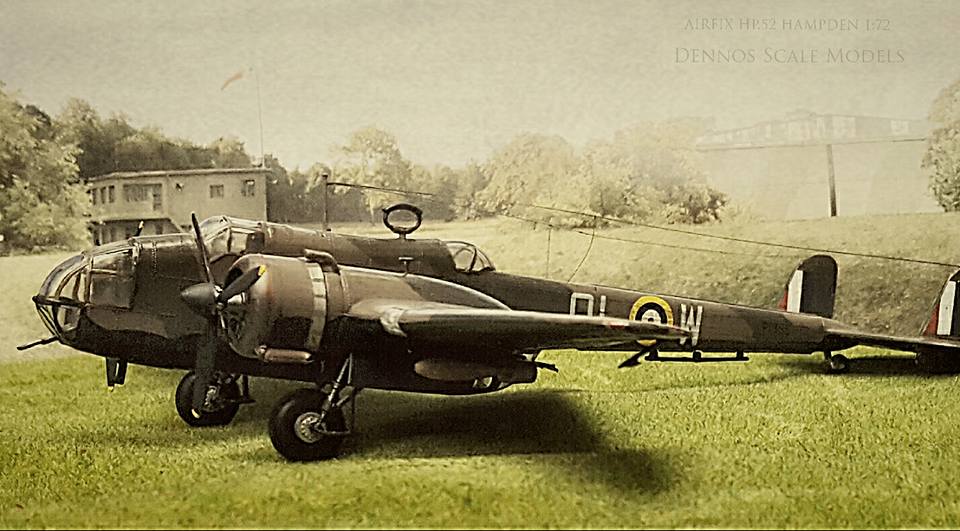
(93, 196)
(142, 192)
(844, 127)
(899, 127)
(111, 193)
(103, 195)
(134, 192)
(216, 191)
(249, 188)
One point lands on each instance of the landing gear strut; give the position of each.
(222, 402)
(309, 424)
(838, 363)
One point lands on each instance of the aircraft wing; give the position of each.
(453, 326)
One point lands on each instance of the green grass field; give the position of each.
(773, 442)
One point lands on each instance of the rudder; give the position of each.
(944, 321)
(812, 288)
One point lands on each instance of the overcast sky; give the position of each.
(454, 80)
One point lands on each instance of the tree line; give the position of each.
(942, 159)
(649, 172)
(643, 173)
(646, 173)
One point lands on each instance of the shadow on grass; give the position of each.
(866, 366)
(541, 424)
(545, 425)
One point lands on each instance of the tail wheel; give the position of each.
(225, 407)
(838, 364)
(297, 431)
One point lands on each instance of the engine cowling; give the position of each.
(282, 317)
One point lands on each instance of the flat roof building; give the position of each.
(164, 199)
(805, 127)
(810, 165)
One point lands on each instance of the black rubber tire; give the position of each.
(838, 364)
(220, 417)
(283, 434)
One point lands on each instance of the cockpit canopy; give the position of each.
(225, 235)
(468, 258)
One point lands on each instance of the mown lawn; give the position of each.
(774, 442)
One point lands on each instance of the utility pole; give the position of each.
(831, 181)
(324, 183)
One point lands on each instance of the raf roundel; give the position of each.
(651, 309)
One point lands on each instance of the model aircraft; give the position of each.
(239, 298)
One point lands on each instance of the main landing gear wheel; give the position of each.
(838, 363)
(224, 405)
(301, 432)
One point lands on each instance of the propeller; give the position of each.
(208, 299)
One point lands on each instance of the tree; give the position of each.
(531, 168)
(647, 171)
(372, 157)
(440, 181)
(229, 152)
(284, 192)
(42, 201)
(692, 202)
(652, 171)
(114, 145)
(942, 159)
(471, 180)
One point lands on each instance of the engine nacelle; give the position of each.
(285, 312)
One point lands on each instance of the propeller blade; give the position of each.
(241, 284)
(121, 372)
(37, 343)
(202, 247)
(139, 229)
(116, 372)
(204, 369)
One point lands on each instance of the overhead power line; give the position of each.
(791, 247)
(431, 197)
(747, 240)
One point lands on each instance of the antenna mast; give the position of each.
(256, 76)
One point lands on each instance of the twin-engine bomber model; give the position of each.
(241, 298)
